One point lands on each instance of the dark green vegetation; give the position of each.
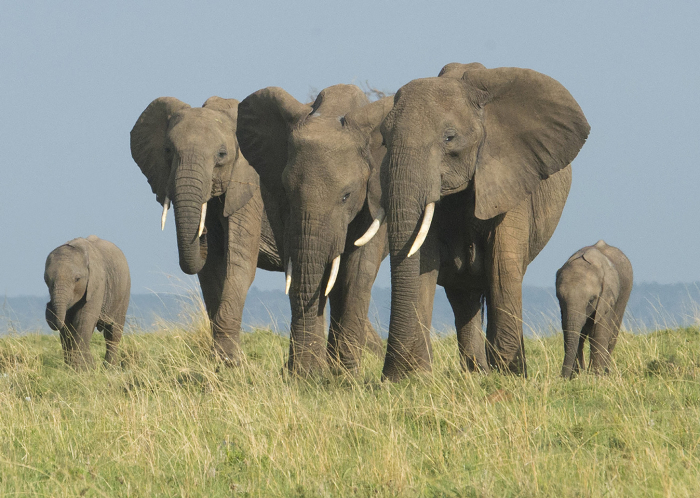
(170, 422)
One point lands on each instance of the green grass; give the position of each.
(170, 422)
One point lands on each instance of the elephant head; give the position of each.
(67, 275)
(322, 159)
(588, 286)
(190, 155)
(498, 132)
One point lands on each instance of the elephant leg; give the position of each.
(507, 256)
(113, 335)
(466, 305)
(242, 230)
(75, 337)
(580, 363)
(600, 340)
(351, 331)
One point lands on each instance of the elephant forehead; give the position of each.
(203, 124)
(429, 93)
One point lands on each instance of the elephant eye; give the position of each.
(449, 138)
(222, 152)
(345, 197)
(77, 279)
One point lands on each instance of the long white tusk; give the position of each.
(288, 277)
(334, 274)
(201, 222)
(424, 228)
(164, 216)
(372, 230)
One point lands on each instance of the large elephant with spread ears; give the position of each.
(321, 161)
(226, 223)
(485, 155)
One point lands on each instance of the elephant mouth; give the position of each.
(447, 190)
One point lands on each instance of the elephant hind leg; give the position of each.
(113, 335)
(466, 306)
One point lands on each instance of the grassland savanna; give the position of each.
(169, 421)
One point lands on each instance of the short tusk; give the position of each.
(424, 228)
(372, 230)
(201, 222)
(164, 216)
(334, 274)
(288, 277)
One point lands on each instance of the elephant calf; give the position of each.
(593, 287)
(89, 285)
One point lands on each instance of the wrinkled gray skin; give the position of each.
(89, 285)
(322, 161)
(593, 288)
(191, 156)
(492, 147)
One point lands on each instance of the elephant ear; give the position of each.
(533, 128)
(244, 181)
(456, 70)
(265, 119)
(86, 248)
(148, 143)
(367, 120)
(610, 289)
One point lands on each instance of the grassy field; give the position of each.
(171, 423)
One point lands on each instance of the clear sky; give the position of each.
(75, 76)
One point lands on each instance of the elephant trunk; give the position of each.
(573, 322)
(406, 349)
(57, 307)
(310, 252)
(191, 193)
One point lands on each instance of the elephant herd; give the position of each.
(461, 179)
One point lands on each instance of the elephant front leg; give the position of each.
(466, 306)
(351, 331)
(75, 339)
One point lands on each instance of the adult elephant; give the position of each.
(226, 223)
(321, 161)
(487, 152)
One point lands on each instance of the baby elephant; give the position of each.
(89, 284)
(593, 287)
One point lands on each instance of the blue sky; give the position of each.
(74, 77)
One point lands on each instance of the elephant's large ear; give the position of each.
(456, 70)
(85, 247)
(533, 128)
(265, 119)
(610, 290)
(148, 143)
(243, 184)
(368, 119)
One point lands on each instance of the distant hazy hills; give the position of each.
(651, 306)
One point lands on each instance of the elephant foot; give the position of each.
(470, 363)
(80, 361)
(227, 351)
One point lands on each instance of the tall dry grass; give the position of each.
(171, 422)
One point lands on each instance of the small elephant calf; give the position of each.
(593, 287)
(89, 284)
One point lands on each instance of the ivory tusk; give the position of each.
(424, 228)
(201, 222)
(164, 216)
(372, 230)
(288, 277)
(334, 274)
